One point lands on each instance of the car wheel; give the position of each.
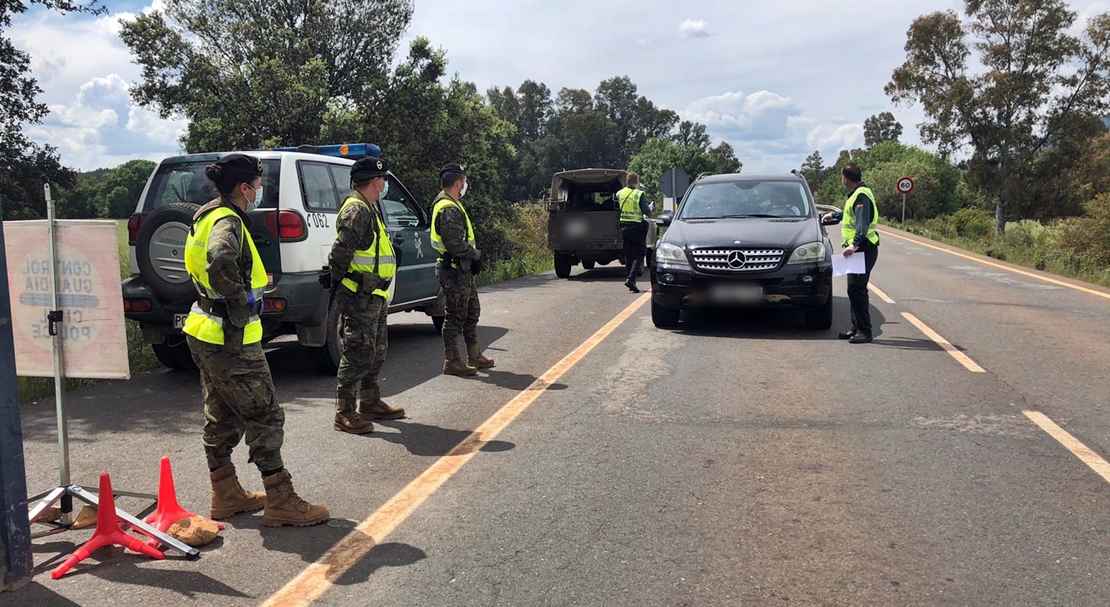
(562, 265)
(589, 265)
(821, 319)
(328, 357)
(160, 251)
(174, 353)
(664, 317)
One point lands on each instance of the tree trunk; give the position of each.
(999, 218)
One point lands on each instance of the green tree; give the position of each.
(881, 128)
(660, 154)
(1036, 74)
(252, 73)
(25, 165)
(813, 169)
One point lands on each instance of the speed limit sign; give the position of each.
(905, 185)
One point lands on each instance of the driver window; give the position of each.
(399, 211)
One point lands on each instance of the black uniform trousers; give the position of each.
(634, 237)
(857, 290)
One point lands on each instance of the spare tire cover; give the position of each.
(160, 251)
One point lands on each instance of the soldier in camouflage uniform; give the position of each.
(459, 261)
(224, 335)
(360, 267)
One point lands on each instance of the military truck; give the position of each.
(583, 223)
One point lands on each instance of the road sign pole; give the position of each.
(903, 208)
(15, 531)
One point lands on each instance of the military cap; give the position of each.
(365, 169)
(452, 167)
(241, 163)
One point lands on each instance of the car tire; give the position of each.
(160, 251)
(664, 317)
(821, 319)
(328, 357)
(589, 265)
(562, 265)
(174, 353)
(437, 321)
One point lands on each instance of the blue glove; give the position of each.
(251, 300)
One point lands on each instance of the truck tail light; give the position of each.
(133, 224)
(286, 225)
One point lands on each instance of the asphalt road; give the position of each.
(730, 462)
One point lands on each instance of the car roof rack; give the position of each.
(353, 151)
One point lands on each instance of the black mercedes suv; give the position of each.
(744, 241)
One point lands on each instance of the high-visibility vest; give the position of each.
(442, 202)
(379, 259)
(848, 227)
(200, 324)
(630, 205)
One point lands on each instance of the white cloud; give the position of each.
(694, 29)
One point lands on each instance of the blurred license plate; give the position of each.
(725, 293)
(179, 320)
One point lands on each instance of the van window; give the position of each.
(184, 181)
(317, 188)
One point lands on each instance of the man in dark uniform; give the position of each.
(860, 217)
(459, 261)
(635, 208)
(362, 264)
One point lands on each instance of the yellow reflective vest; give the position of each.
(200, 324)
(442, 202)
(630, 205)
(848, 227)
(379, 259)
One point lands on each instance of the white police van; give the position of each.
(293, 228)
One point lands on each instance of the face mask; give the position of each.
(385, 190)
(257, 199)
(463, 191)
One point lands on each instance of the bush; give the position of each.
(972, 223)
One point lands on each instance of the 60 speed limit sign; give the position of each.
(905, 185)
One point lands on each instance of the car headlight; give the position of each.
(812, 252)
(671, 256)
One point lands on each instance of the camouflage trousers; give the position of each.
(239, 401)
(462, 306)
(365, 341)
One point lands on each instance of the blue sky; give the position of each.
(777, 80)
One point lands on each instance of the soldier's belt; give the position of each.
(218, 308)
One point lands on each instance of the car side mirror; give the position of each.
(665, 218)
(829, 221)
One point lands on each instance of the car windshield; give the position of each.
(185, 182)
(776, 199)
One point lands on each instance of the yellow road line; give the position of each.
(999, 266)
(879, 292)
(318, 577)
(1085, 454)
(960, 357)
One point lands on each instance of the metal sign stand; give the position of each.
(66, 490)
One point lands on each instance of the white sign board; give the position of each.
(905, 185)
(94, 336)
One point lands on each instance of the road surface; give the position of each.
(957, 460)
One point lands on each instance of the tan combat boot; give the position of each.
(373, 407)
(285, 507)
(454, 364)
(347, 419)
(475, 358)
(228, 496)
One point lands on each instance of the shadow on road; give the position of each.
(430, 441)
(610, 273)
(37, 595)
(770, 324)
(385, 555)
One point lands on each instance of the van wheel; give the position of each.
(328, 357)
(589, 265)
(160, 251)
(663, 317)
(175, 354)
(821, 319)
(562, 265)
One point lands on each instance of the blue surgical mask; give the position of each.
(257, 199)
(385, 190)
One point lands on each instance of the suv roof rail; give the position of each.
(344, 150)
(704, 174)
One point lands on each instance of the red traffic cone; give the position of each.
(107, 533)
(168, 511)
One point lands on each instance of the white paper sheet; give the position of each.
(855, 264)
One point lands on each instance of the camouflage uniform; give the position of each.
(235, 378)
(365, 338)
(459, 292)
